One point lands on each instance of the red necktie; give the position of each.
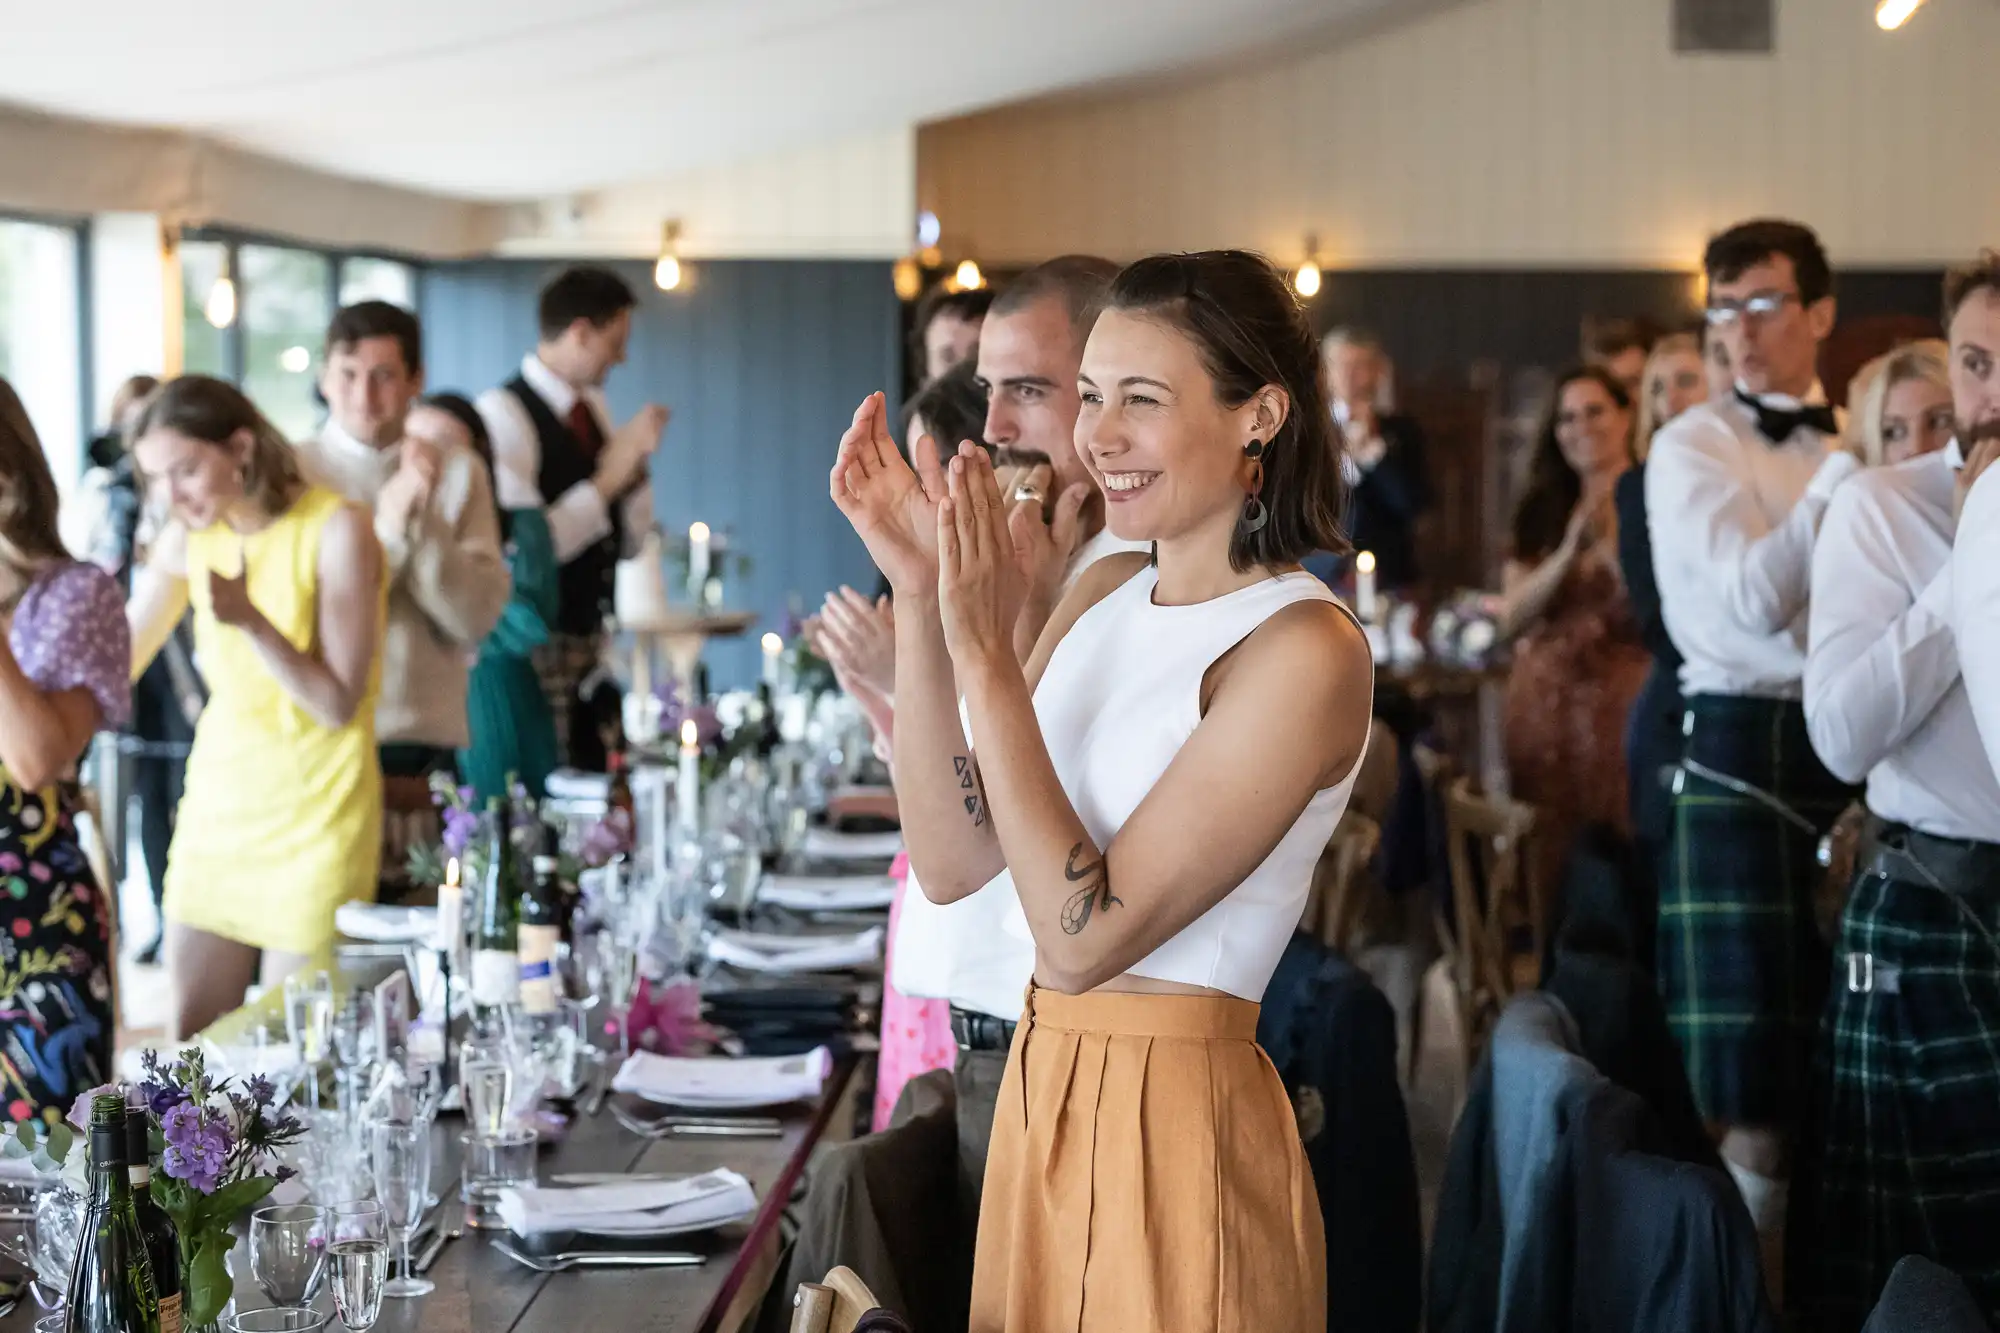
(583, 424)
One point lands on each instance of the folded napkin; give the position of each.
(640, 1208)
(827, 893)
(720, 1084)
(825, 844)
(571, 784)
(385, 923)
(755, 952)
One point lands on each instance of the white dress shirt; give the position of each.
(1975, 613)
(962, 951)
(1883, 697)
(579, 515)
(1733, 518)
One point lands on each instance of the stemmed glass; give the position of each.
(402, 1157)
(359, 1257)
(353, 1043)
(309, 1021)
(288, 1252)
(611, 964)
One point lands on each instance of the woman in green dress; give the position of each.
(513, 731)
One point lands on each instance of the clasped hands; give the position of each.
(943, 532)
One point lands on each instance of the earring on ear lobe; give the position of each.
(1254, 449)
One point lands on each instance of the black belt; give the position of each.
(1958, 866)
(980, 1032)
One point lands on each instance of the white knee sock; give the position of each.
(1765, 1196)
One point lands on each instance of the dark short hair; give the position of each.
(377, 319)
(952, 407)
(1606, 338)
(1748, 244)
(1080, 282)
(1962, 284)
(1553, 489)
(583, 292)
(1251, 332)
(969, 305)
(460, 408)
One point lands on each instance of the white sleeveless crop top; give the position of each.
(1120, 696)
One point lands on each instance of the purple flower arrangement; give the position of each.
(218, 1158)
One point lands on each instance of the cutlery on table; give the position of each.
(617, 1177)
(557, 1263)
(436, 1247)
(678, 1126)
(593, 1102)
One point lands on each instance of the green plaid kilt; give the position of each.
(561, 664)
(1741, 967)
(1902, 1149)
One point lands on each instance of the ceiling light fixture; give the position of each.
(968, 278)
(1893, 14)
(1306, 279)
(295, 360)
(908, 278)
(220, 307)
(667, 272)
(928, 229)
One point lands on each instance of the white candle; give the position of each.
(774, 648)
(687, 793)
(642, 685)
(697, 558)
(1364, 585)
(451, 909)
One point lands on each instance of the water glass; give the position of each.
(288, 1252)
(494, 1163)
(401, 1153)
(278, 1320)
(359, 1260)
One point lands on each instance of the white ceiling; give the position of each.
(516, 99)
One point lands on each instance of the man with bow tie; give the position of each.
(1902, 1158)
(1734, 495)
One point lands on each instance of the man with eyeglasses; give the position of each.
(1734, 495)
(1902, 1158)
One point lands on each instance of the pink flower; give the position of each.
(668, 1021)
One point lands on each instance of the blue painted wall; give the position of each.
(762, 363)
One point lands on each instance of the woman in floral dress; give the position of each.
(64, 663)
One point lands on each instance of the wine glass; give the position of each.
(359, 1257)
(402, 1158)
(288, 1252)
(486, 1077)
(277, 1320)
(309, 1021)
(615, 979)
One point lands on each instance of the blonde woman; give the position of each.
(63, 654)
(281, 821)
(1899, 405)
(1675, 379)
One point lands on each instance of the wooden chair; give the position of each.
(1492, 891)
(408, 819)
(833, 1306)
(1341, 883)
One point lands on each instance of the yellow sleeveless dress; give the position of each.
(281, 820)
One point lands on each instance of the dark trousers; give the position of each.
(977, 1081)
(157, 784)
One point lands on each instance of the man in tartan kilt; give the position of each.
(553, 445)
(1903, 1156)
(1734, 494)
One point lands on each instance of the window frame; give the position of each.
(78, 226)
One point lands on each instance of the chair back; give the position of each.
(1341, 882)
(1493, 889)
(833, 1306)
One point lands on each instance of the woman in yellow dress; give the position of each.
(281, 818)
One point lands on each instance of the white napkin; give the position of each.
(641, 1208)
(756, 952)
(827, 893)
(828, 845)
(571, 784)
(384, 923)
(720, 1084)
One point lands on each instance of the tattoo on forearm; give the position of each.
(1095, 895)
(968, 783)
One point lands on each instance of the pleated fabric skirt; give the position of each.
(1146, 1173)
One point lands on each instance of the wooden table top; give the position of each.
(481, 1291)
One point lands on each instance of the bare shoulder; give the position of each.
(1308, 667)
(347, 545)
(1314, 640)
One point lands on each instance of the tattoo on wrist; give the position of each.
(1094, 896)
(969, 789)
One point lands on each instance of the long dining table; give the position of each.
(480, 1290)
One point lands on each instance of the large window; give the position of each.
(40, 344)
(284, 297)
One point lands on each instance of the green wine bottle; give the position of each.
(111, 1281)
(541, 929)
(162, 1241)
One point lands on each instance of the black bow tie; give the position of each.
(1776, 424)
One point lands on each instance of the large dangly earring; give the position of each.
(1255, 513)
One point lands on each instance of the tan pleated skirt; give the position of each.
(1145, 1174)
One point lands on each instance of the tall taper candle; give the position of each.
(697, 559)
(687, 791)
(1364, 586)
(774, 648)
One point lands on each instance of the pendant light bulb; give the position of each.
(220, 307)
(667, 272)
(968, 277)
(1893, 14)
(1306, 278)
